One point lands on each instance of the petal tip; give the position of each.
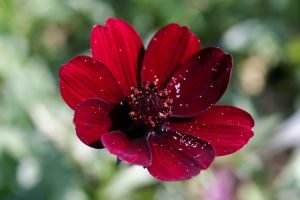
(134, 151)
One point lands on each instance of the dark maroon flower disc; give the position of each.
(154, 107)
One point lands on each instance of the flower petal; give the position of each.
(177, 156)
(134, 151)
(92, 120)
(200, 82)
(84, 78)
(120, 48)
(227, 128)
(169, 48)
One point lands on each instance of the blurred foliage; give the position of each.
(40, 156)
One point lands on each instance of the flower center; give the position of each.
(148, 105)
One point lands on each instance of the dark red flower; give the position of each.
(154, 107)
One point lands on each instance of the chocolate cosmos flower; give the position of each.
(154, 107)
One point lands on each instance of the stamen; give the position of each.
(148, 105)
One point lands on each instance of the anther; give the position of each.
(148, 105)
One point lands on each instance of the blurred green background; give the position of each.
(40, 156)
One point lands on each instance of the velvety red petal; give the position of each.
(227, 128)
(176, 156)
(134, 151)
(92, 120)
(200, 82)
(169, 48)
(84, 78)
(120, 48)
